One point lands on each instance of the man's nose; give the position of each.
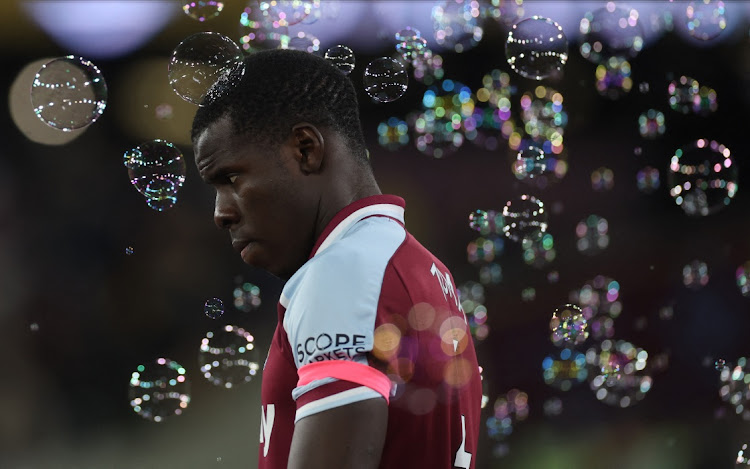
(225, 211)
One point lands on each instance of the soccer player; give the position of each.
(372, 363)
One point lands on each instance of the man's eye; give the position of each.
(232, 178)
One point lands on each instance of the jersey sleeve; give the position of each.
(331, 318)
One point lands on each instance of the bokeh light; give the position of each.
(743, 278)
(564, 369)
(695, 275)
(688, 95)
(203, 10)
(651, 124)
(706, 19)
(591, 234)
(159, 390)
(258, 31)
(599, 299)
(228, 357)
(734, 387)
(246, 297)
(385, 80)
(602, 179)
(611, 31)
(613, 78)
(618, 374)
(568, 326)
(393, 133)
(471, 296)
(648, 180)
(509, 409)
(456, 25)
(539, 252)
(157, 170)
(537, 48)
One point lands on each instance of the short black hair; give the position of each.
(280, 88)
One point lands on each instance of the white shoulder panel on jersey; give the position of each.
(332, 300)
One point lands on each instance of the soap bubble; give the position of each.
(483, 250)
(695, 275)
(412, 50)
(537, 48)
(456, 25)
(602, 179)
(213, 308)
(539, 252)
(68, 93)
(530, 162)
(246, 297)
(734, 387)
(742, 460)
(564, 368)
(706, 19)
(648, 179)
(129, 250)
(487, 222)
(505, 12)
(287, 12)
(385, 80)
(229, 357)
(702, 177)
(407, 34)
(203, 10)
(651, 124)
(613, 78)
(157, 170)
(199, 61)
(159, 390)
(471, 296)
(478, 220)
(568, 326)
(259, 32)
(342, 57)
(509, 409)
(305, 42)
(490, 274)
(393, 133)
(618, 374)
(528, 294)
(553, 407)
(720, 364)
(612, 31)
(592, 235)
(428, 69)
(599, 300)
(525, 217)
(743, 278)
(687, 95)
(34, 327)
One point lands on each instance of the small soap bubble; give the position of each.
(490, 274)
(407, 34)
(258, 31)
(611, 31)
(553, 276)
(129, 250)
(393, 133)
(591, 234)
(229, 357)
(483, 250)
(456, 25)
(666, 313)
(159, 390)
(644, 87)
(687, 95)
(695, 275)
(288, 12)
(305, 42)
(743, 458)
(537, 48)
(342, 57)
(203, 10)
(651, 124)
(648, 179)
(200, 61)
(553, 407)
(568, 326)
(564, 369)
(157, 170)
(530, 162)
(620, 376)
(706, 19)
(69, 93)
(528, 294)
(525, 217)
(539, 252)
(246, 297)
(412, 50)
(214, 308)
(478, 220)
(613, 78)
(385, 80)
(602, 179)
(638, 151)
(703, 177)
(743, 278)
(34, 327)
(720, 364)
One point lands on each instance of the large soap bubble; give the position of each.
(385, 79)
(611, 31)
(159, 390)
(229, 357)
(537, 48)
(157, 170)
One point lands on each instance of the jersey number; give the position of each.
(463, 459)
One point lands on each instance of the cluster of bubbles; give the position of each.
(537, 48)
(592, 235)
(393, 133)
(568, 326)
(342, 57)
(525, 218)
(651, 124)
(213, 308)
(486, 222)
(686, 95)
(471, 296)
(647, 179)
(602, 179)
(68, 93)
(203, 10)
(695, 275)
(734, 387)
(702, 177)
(157, 170)
(447, 121)
(613, 78)
(159, 390)
(410, 45)
(200, 62)
(228, 357)
(246, 297)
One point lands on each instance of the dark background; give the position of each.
(67, 213)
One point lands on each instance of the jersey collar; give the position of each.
(375, 205)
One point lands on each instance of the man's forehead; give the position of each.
(215, 138)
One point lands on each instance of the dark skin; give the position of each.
(275, 202)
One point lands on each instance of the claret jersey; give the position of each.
(374, 315)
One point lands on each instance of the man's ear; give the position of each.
(308, 146)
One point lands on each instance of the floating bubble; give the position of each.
(478, 220)
(258, 31)
(506, 12)
(157, 170)
(437, 136)
(537, 48)
(720, 364)
(528, 294)
(287, 12)
(497, 91)
(214, 308)
(203, 10)
(705, 19)
(200, 61)
(471, 295)
(599, 301)
(651, 124)
(69, 93)
(592, 235)
(568, 326)
(695, 275)
(385, 80)
(34, 327)
(305, 42)
(407, 34)
(530, 162)
(648, 179)
(612, 31)
(456, 25)
(525, 217)
(509, 409)
(428, 68)
(735, 387)
(644, 87)
(564, 369)
(490, 274)
(553, 407)
(412, 49)
(393, 133)
(246, 297)
(743, 278)
(228, 357)
(613, 78)
(602, 179)
(742, 460)
(159, 390)
(618, 374)
(553, 276)
(538, 252)
(702, 177)
(687, 95)
(129, 250)
(483, 250)
(342, 57)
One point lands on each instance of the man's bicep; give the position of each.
(348, 436)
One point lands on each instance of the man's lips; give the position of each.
(240, 244)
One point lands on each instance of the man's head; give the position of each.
(282, 145)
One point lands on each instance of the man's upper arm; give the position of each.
(350, 436)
